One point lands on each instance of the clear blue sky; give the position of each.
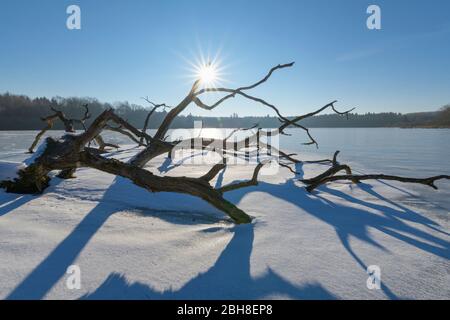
(129, 49)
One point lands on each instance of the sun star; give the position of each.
(207, 73)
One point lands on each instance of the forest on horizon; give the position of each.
(19, 112)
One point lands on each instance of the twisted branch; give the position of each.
(68, 124)
(330, 176)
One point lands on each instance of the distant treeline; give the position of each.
(18, 112)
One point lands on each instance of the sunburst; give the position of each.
(209, 71)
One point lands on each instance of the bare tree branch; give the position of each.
(120, 130)
(68, 124)
(287, 123)
(214, 170)
(242, 184)
(280, 66)
(40, 134)
(430, 181)
(240, 129)
(152, 151)
(155, 107)
(329, 176)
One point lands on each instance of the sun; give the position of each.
(207, 73)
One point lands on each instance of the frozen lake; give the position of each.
(407, 152)
(134, 244)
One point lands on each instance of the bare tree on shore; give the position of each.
(73, 150)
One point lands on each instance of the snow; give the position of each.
(8, 169)
(37, 153)
(133, 244)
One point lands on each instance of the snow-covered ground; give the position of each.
(132, 244)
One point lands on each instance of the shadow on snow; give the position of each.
(230, 276)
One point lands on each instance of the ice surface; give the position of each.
(133, 244)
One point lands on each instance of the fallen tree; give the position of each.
(73, 150)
